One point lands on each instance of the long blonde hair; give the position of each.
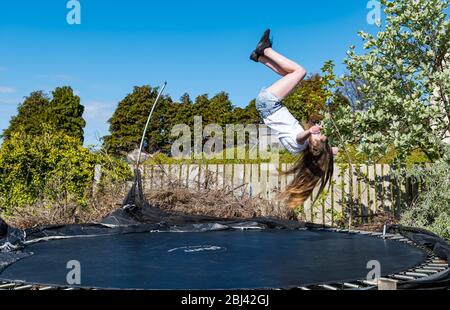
(314, 166)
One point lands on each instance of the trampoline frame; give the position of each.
(431, 267)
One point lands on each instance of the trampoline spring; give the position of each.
(351, 285)
(46, 288)
(439, 265)
(376, 234)
(434, 268)
(426, 271)
(403, 277)
(398, 237)
(416, 274)
(23, 287)
(370, 283)
(439, 261)
(329, 287)
(7, 286)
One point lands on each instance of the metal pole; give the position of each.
(148, 122)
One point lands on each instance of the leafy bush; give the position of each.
(432, 208)
(284, 156)
(241, 156)
(389, 157)
(50, 170)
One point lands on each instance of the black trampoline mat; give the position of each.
(213, 260)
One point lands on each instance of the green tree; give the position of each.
(201, 108)
(31, 114)
(307, 101)
(215, 110)
(128, 121)
(247, 115)
(66, 113)
(222, 109)
(62, 112)
(182, 112)
(406, 80)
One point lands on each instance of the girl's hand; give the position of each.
(315, 130)
(335, 151)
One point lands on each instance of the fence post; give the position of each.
(97, 178)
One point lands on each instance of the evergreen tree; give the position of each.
(182, 112)
(307, 101)
(201, 108)
(247, 115)
(128, 121)
(63, 112)
(31, 114)
(66, 113)
(217, 110)
(222, 109)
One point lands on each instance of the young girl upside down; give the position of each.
(315, 164)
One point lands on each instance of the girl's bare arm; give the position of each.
(304, 135)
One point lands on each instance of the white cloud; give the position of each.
(96, 114)
(97, 110)
(7, 90)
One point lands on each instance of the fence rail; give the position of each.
(375, 187)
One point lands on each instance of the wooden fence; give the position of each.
(375, 189)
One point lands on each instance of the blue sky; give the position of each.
(199, 47)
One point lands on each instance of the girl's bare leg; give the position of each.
(292, 73)
(272, 65)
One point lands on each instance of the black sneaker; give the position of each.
(264, 43)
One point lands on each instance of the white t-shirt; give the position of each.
(287, 127)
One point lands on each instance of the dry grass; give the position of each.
(208, 199)
(101, 203)
(377, 222)
(216, 203)
(201, 199)
(205, 198)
